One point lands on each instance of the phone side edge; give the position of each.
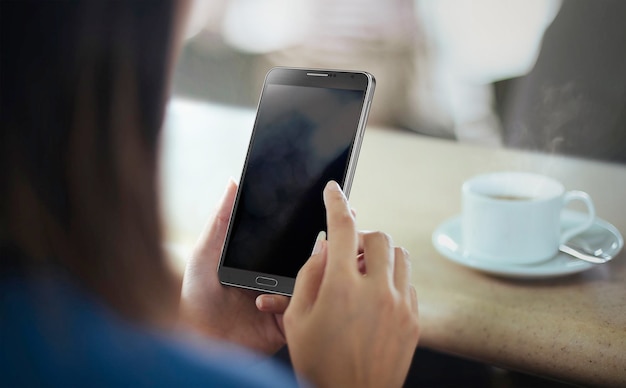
(360, 133)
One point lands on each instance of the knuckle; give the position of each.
(413, 294)
(385, 299)
(408, 319)
(344, 219)
(398, 308)
(378, 236)
(408, 264)
(414, 329)
(400, 251)
(343, 296)
(336, 196)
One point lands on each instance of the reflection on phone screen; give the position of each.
(302, 139)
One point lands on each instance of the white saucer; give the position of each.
(447, 241)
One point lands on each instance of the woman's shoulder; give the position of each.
(54, 334)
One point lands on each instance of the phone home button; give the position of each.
(263, 281)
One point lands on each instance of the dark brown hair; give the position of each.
(83, 91)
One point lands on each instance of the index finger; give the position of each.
(342, 235)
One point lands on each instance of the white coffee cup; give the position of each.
(515, 217)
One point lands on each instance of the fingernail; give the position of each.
(319, 242)
(230, 182)
(332, 185)
(264, 302)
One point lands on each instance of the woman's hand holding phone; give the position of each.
(346, 328)
(223, 312)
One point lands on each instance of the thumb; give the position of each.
(309, 279)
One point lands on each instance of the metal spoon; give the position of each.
(597, 257)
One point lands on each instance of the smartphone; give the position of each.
(308, 131)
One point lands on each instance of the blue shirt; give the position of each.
(53, 334)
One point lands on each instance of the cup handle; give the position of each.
(591, 214)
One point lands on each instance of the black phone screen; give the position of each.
(302, 138)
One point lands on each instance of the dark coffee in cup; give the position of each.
(510, 197)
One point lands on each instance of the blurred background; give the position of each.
(544, 75)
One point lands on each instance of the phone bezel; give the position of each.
(324, 78)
